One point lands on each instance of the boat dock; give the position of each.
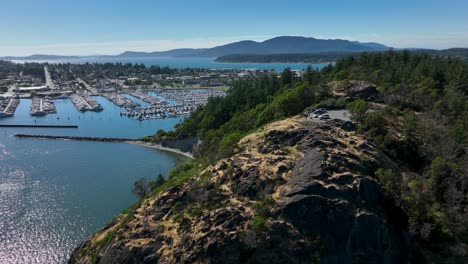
(187, 101)
(120, 100)
(8, 107)
(147, 98)
(84, 103)
(42, 106)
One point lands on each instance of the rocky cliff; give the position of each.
(300, 191)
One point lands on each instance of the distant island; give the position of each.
(277, 45)
(284, 49)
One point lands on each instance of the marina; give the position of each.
(139, 104)
(184, 103)
(84, 103)
(120, 100)
(8, 107)
(147, 98)
(42, 106)
(190, 98)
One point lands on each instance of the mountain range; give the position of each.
(277, 45)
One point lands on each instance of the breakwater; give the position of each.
(40, 126)
(99, 139)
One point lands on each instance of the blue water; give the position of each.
(55, 193)
(181, 63)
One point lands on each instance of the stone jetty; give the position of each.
(39, 126)
(42, 106)
(84, 103)
(8, 107)
(100, 139)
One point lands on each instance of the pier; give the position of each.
(99, 139)
(8, 107)
(84, 103)
(42, 106)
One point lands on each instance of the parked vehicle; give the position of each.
(318, 112)
(324, 116)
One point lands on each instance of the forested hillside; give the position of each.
(420, 120)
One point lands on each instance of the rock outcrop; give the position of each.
(355, 89)
(299, 192)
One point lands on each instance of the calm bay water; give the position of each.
(181, 63)
(55, 193)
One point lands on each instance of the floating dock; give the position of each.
(8, 107)
(42, 106)
(84, 103)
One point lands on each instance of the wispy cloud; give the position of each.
(115, 47)
(437, 40)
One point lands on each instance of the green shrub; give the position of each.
(332, 103)
(259, 224)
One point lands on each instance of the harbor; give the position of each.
(8, 107)
(84, 103)
(184, 103)
(137, 104)
(147, 98)
(42, 106)
(120, 100)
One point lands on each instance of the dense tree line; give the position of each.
(325, 57)
(423, 125)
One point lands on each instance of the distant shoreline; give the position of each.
(156, 146)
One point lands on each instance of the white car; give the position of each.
(324, 116)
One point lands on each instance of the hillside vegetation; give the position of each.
(421, 122)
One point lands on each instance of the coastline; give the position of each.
(156, 146)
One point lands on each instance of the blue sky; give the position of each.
(87, 27)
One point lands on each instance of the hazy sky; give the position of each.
(86, 27)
